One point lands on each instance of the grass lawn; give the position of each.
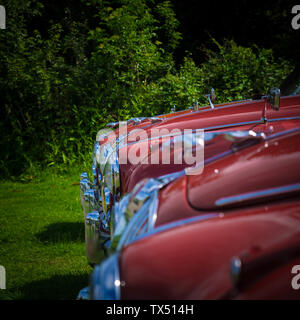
(42, 239)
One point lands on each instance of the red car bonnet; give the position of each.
(239, 116)
(194, 260)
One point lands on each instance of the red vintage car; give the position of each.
(232, 232)
(160, 199)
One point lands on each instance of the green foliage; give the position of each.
(128, 57)
(40, 85)
(237, 72)
(62, 83)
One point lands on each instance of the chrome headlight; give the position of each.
(111, 173)
(135, 213)
(141, 223)
(103, 155)
(105, 281)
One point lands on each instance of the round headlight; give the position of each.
(105, 281)
(103, 155)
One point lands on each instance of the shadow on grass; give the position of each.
(61, 287)
(62, 232)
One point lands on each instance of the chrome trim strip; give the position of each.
(216, 127)
(194, 130)
(283, 119)
(176, 224)
(233, 125)
(282, 133)
(230, 104)
(217, 106)
(218, 156)
(257, 194)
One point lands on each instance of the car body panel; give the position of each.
(193, 260)
(274, 163)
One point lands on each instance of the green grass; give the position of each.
(42, 239)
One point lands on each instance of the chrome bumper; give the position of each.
(94, 237)
(95, 220)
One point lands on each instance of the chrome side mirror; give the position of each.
(195, 105)
(274, 98)
(211, 97)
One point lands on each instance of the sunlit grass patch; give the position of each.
(42, 239)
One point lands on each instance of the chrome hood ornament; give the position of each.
(211, 97)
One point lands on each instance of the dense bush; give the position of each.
(60, 86)
(237, 72)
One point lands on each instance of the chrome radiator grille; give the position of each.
(97, 197)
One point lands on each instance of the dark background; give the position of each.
(264, 23)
